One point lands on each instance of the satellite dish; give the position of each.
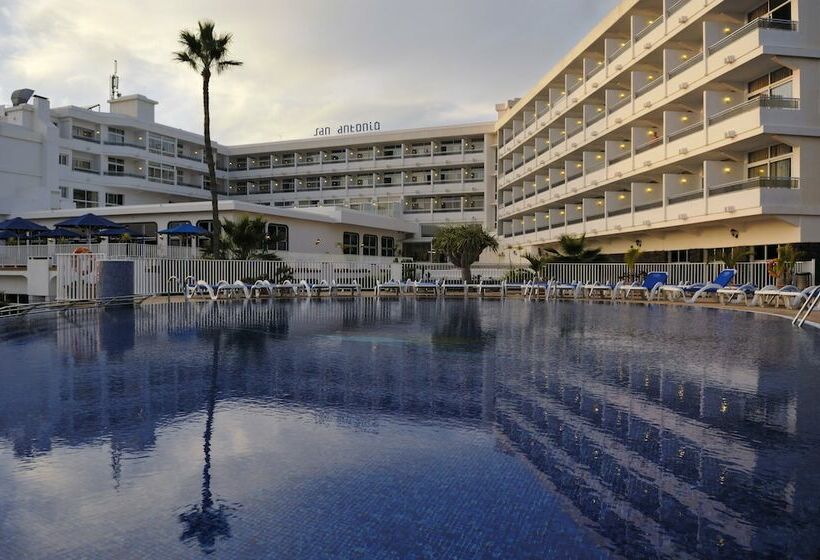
(21, 96)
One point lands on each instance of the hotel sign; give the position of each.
(371, 126)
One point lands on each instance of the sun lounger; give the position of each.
(311, 290)
(600, 290)
(454, 286)
(517, 287)
(736, 293)
(565, 290)
(425, 288)
(790, 296)
(339, 288)
(390, 287)
(649, 289)
(489, 285)
(701, 289)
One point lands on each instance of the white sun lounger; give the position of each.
(350, 288)
(486, 286)
(736, 294)
(454, 286)
(790, 296)
(390, 287)
(425, 288)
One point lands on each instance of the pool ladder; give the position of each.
(808, 306)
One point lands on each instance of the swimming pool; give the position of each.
(408, 429)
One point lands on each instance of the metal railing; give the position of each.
(760, 23)
(125, 174)
(620, 157)
(618, 104)
(620, 51)
(124, 143)
(685, 65)
(684, 196)
(647, 87)
(685, 131)
(596, 117)
(756, 183)
(648, 29)
(648, 205)
(619, 212)
(675, 6)
(649, 145)
(747, 272)
(763, 101)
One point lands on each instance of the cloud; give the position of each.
(307, 63)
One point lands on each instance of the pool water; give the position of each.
(408, 429)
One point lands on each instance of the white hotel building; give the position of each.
(676, 125)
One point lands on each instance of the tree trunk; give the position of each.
(216, 226)
(466, 273)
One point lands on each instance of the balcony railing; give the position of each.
(594, 167)
(596, 117)
(685, 131)
(620, 51)
(649, 145)
(124, 143)
(620, 157)
(675, 6)
(619, 212)
(595, 69)
(124, 174)
(190, 158)
(84, 170)
(648, 29)
(572, 221)
(192, 185)
(648, 205)
(618, 104)
(756, 183)
(85, 138)
(685, 65)
(682, 197)
(647, 87)
(760, 23)
(761, 101)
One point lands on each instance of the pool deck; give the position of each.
(813, 319)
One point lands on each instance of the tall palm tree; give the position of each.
(573, 248)
(206, 52)
(463, 244)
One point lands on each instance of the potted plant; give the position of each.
(782, 267)
(631, 259)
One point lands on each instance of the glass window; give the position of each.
(113, 199)
(350, 243)
(388, 247)
(63, 192)
(159, 144)
(781, 168)
(63, 160)
(276, 238)
(161, 173)
(758, 171)
(370, 245)
(85, 199)
(783, 90)
(116, 166)
(116, 135)
(147, 231)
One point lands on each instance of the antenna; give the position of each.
(115, 83)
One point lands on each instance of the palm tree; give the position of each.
(245, 236)
(537, 263)
(730, 257)
(572, 248)
(463, 244)
(205, 52)
(631, 258)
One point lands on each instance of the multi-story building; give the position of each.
(674, 125)
(74, 157)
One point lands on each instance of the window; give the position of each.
(388, 247)
(774, 161)
(204, 240)
(116, 166)
(63, 192)
(276, 237)
(350, 243)
(113, 199)
(159, 144)
(85, 199)
(774, 84)
(82, 164)
(147, 231)
(116, 135)
(370, 245)
(84, 133)
(63, 159)
(774, 9)
(161, 173)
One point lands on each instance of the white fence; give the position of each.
(446, 271)
(748, 272)
(17, 255)
(151, 275)
(77, 276)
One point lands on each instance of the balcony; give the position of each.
(684, 66)
(85, 138)
(685, 196)
(86, 170)
(756, 183)
(646, 88)
(124, 143)
(126, 174)
(762, 101)
(761, 23)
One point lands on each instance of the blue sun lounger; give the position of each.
(700, 289)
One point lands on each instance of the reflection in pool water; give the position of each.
(391, 429)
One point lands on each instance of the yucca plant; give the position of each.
(730, 257)
(463, 245)
(631, 259)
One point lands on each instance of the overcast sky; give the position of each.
(308, 63)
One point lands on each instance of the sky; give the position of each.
(307, 63)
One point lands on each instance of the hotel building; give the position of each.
(674, 125)
(678, 126)
(74, 157)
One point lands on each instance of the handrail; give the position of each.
(620, 51)
(688, 195)
(759, 23)
(675, 6)
(685, 65)
(761, 101)
(652, 84)
(618, 104)
(807, 308)
(651, 144)
(685, 131)
(620, 157)
(648, 29)
(756, 182)
(596, 118)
